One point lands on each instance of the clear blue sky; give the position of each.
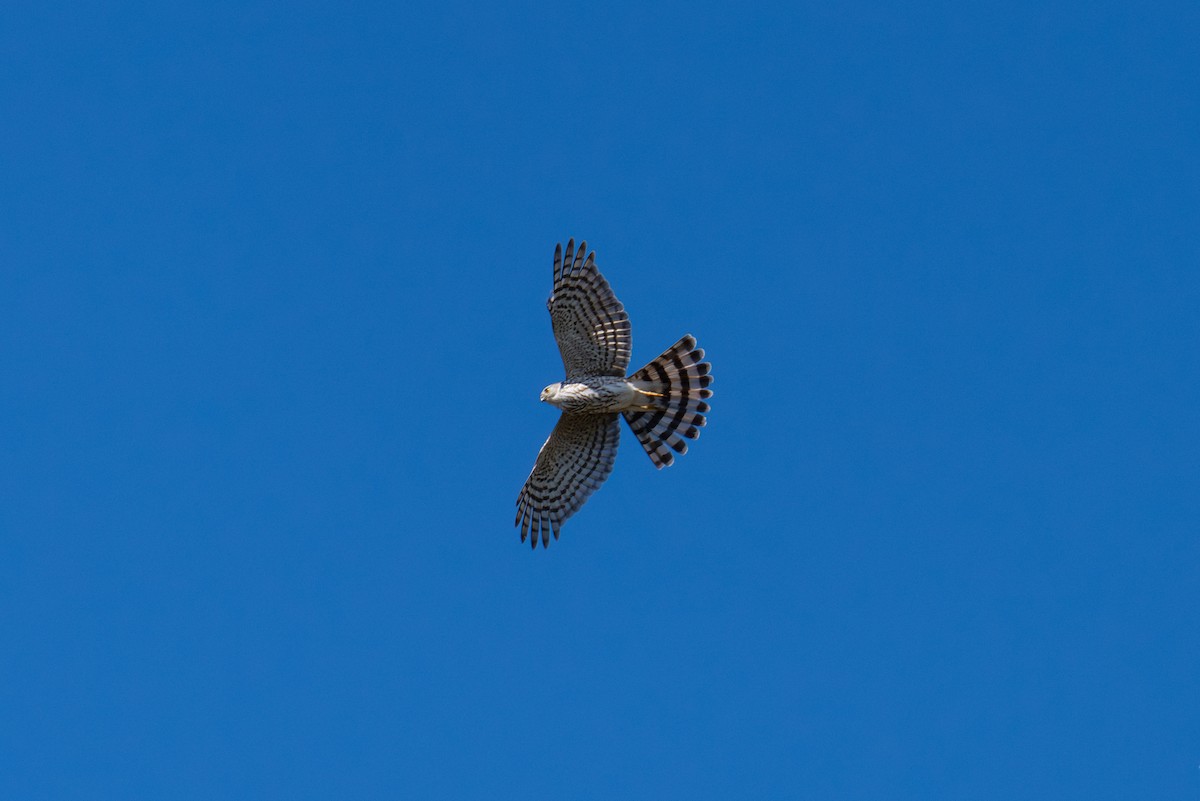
(272, 326)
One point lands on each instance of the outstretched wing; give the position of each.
(590, 324)
(573, 463)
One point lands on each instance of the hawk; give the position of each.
(663, 403)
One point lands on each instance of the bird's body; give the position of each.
(663, 403)
(599, 394)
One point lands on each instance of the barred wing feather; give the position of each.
(572, 464)
(590, 324)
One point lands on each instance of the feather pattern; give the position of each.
(572, 464)
(590, 324)
(679, 380)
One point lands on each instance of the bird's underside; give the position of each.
(664, 403)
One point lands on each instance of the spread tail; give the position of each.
(675, 386)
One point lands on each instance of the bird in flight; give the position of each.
(664, 403)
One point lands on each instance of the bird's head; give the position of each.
(550, 393)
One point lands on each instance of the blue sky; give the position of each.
(272, 285)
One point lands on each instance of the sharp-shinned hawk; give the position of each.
(663, 403)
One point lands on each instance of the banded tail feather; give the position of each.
(676, 384)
